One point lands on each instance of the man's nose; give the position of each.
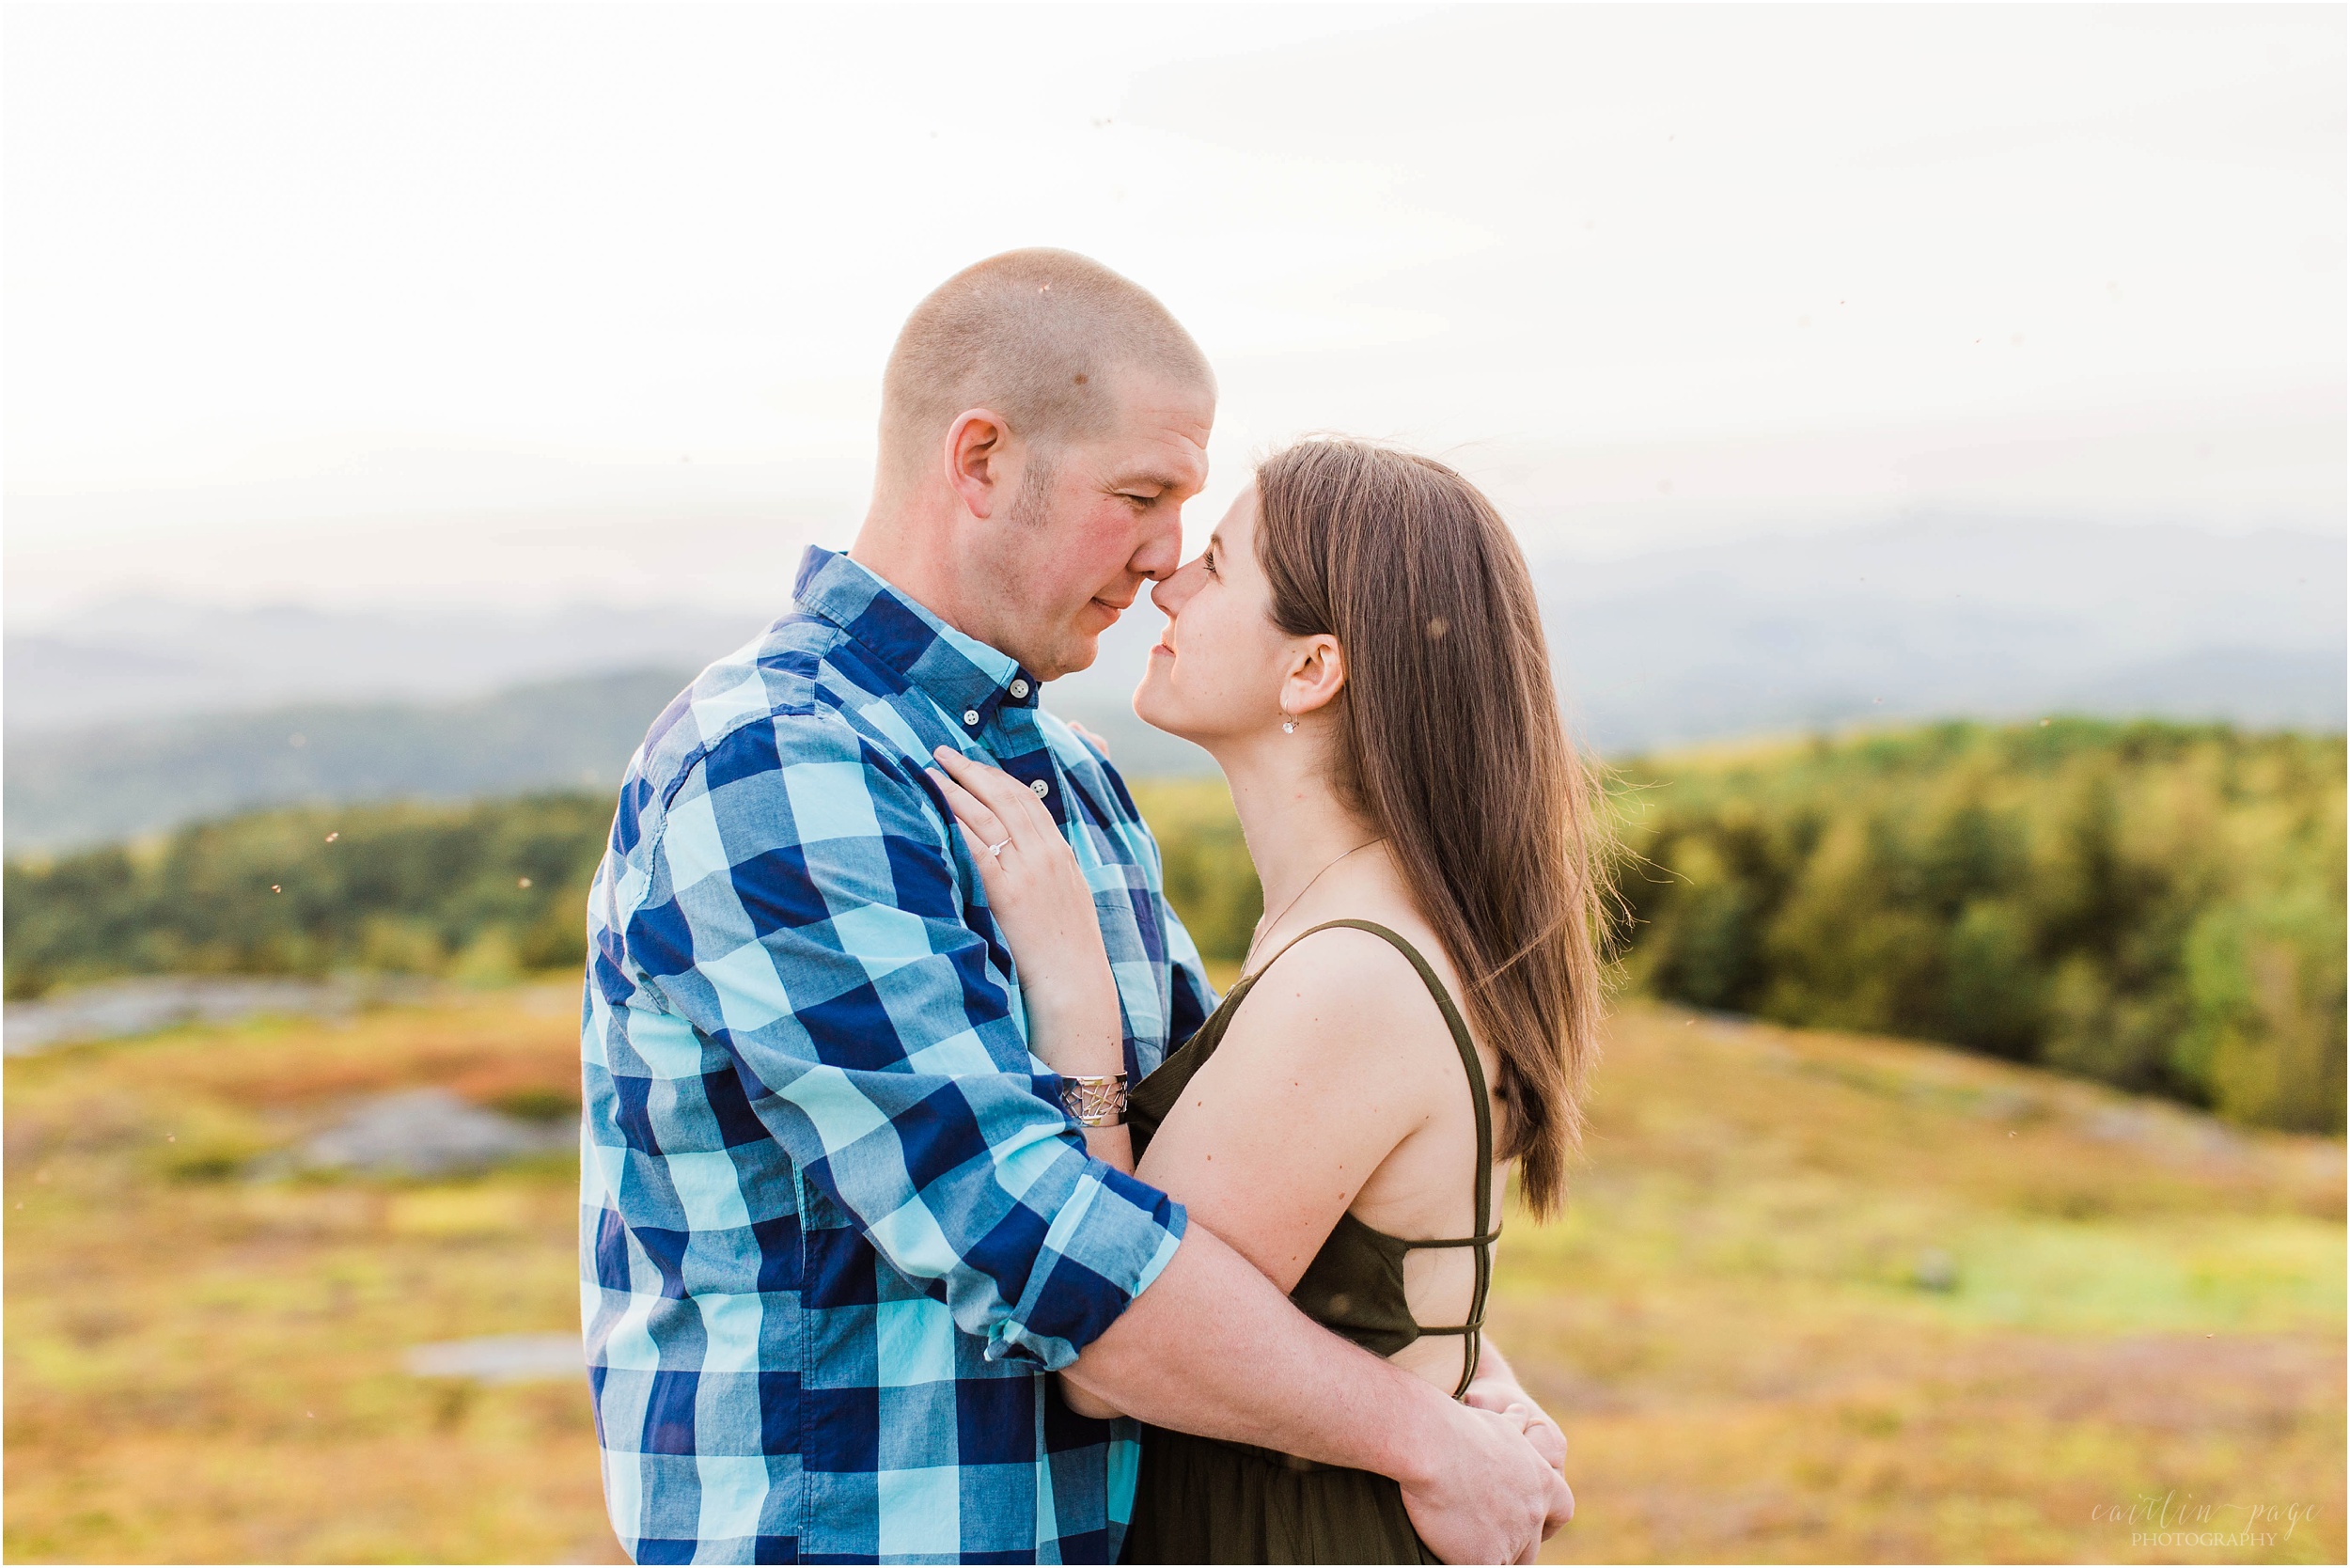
(1161, 550)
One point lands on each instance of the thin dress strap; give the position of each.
(1483, 1241)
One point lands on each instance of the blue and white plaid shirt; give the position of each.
(834, 1224)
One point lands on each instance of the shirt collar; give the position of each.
(960, 673)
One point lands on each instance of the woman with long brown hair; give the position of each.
(1358, 648)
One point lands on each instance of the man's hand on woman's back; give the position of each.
(1213, 1347)
(1490, 1495)
(1496, 1388)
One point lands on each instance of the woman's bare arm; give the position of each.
(1310, 1090)
(1318, 1079)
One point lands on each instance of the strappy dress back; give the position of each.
(1201, 1500)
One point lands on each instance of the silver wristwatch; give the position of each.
(1094, 1102)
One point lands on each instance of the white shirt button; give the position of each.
(970, 715)
(1019, 689)
(1041, 787)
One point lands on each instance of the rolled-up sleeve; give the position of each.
(802, 909)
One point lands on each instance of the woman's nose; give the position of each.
(1172, 593)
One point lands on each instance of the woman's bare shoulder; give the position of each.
(1348, 993)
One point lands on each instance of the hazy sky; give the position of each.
(352, 304)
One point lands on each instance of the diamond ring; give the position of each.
(996, 850)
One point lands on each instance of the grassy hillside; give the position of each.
(1820, 1297)
(1816, 1298)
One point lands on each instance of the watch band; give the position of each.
(1094, 1102)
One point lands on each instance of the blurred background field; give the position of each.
(1816, 1298)
(1818, 1295)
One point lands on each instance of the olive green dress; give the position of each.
(1201, 1500)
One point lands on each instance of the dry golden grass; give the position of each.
(206, 1368)
(1820, 1298)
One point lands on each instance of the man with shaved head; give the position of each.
(838, 1225)
(1043, 421)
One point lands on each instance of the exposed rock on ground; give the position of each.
(429, 1131)
(502, 1358)
(114, 1009)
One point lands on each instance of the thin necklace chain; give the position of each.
(1302, 892)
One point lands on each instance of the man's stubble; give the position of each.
(1028, 520)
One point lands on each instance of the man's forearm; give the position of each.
(1213, 1348)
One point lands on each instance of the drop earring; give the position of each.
(1289, 726)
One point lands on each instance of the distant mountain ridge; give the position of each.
(1989, 620)
(136, 716)
(121, 781)
(132, 658)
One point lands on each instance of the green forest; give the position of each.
(481, 891)
(2155, 905)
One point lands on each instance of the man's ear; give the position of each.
(1317, 675)
(974, 454)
